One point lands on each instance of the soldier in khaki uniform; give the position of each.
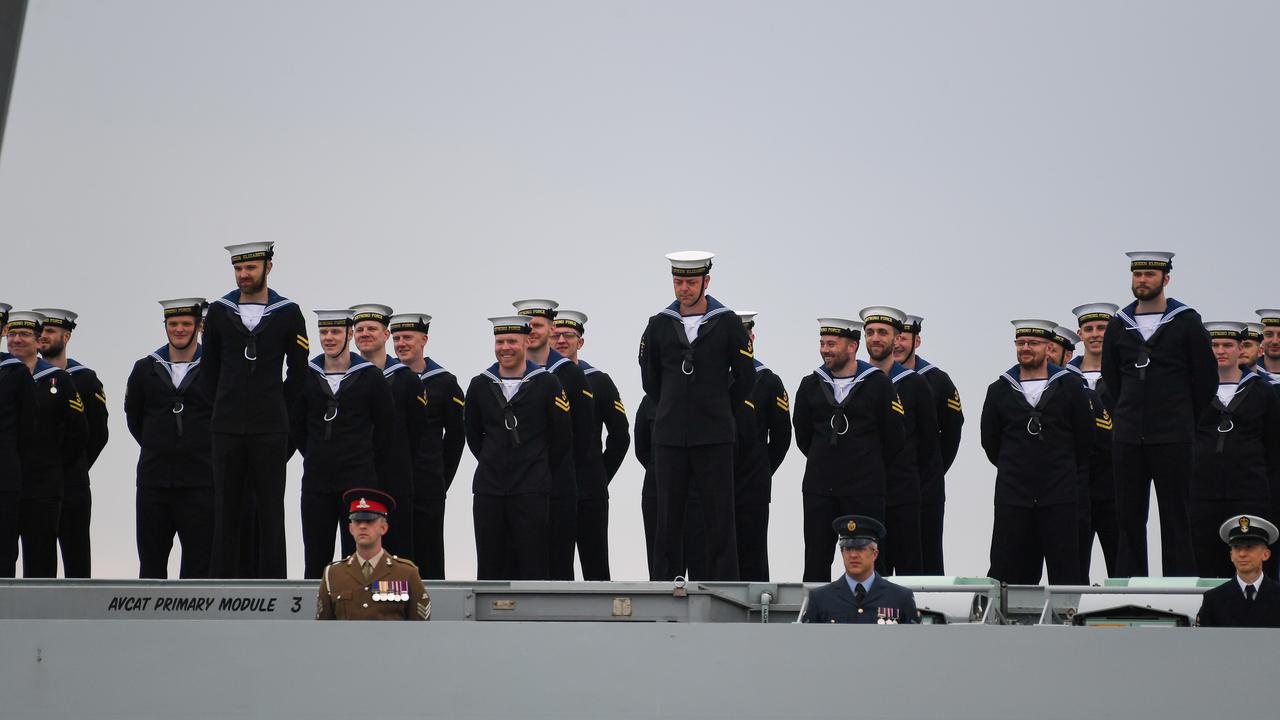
(371, 584)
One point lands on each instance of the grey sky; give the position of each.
(970, 162)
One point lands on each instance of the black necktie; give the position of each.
(860, 594)
(1249, 592)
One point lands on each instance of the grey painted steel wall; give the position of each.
(282, 669)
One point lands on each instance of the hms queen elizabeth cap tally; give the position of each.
(244, 252)
(690, 263)
(1150, 260)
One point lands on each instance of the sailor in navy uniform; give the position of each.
(849, 430)
(343, 425)
(1249, 599)
(1092, 320)
(695, 360)
(950, 414)
(249, 333)
(1160, 377)
(920, 456)
(1237, 451)
(1037, 429)
(518, 427)
(563, 528)
(1251, 348)
(1269, 360)
(861, 596)
(440, 448)
(407, 433)
(77, 502)
(605, 457)
(17, 431)
(55, 450)
(764, 436)
(167, 409)
(645, 453)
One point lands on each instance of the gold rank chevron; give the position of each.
(781, 402)
(460, 401)
(1102, 424)
(102, 397)
(749, 404)
(617, 405)
(588, 394)
(747, 353)
(897, 407)
(422, 399)
(303, 342)
(562, 402)
(76, 404)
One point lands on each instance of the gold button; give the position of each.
(859, 611)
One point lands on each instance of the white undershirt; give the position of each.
(1147, 323)
(1092, 377)
(1226, 391)
(841, 387)
(691, 325)
(251, 314)
(334, 380)
(1032, 389)
(177, 371)
(510, 387)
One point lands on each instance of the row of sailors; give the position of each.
(878, 436)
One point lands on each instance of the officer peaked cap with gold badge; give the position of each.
(371, 311)
(4, 313)
(418, 322)
(1092, 312)
(840, 327)
(536, 307)
(57, 317)
(1150, 260)
(367, 503)
(1066, 338)
(858, 531)
(1034, 328)
(572, 319)
(1269, 317)
(913, 324)
(1225, 330)
(333, 318)
(26, 319)
(1247, 529)
(176, 307)
(1253, 331)
(885, 315)
(244, 252)
(748, 318)
(508, 324)
(690, 263)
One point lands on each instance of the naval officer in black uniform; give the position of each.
(17, 430)
(849, 430)
(1249, 599)
(919, 458)
(605, 457)
(950, 414)
(1092, 320)
(55, 450)
(1237, 450)
(861, 596)
(1037, 429)
(249, 333)
(695, 360)
(1160, 376)
(77, 501)
(518, 427)
(440, 448)
(167, 409)
(407, 434)
(343, 425)
(764, 436)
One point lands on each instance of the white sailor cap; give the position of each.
(840, 327)
(506, 324)
(371, 311)
(26, 319)
(1269, 317)
(419, 322)
(913, 324)
(883, 314)
(245, 252)
(1150, 260)
(572, 319)
(1027, 327)
(193, 306)
(58, 317)
(1092, 312)
(536, 307)
(1253, 331)
(1245, 528)
(748, 318)
(1225, 330)
(333, 318)
(690, 263)
(1066, 338)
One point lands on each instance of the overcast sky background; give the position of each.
(969, 162)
